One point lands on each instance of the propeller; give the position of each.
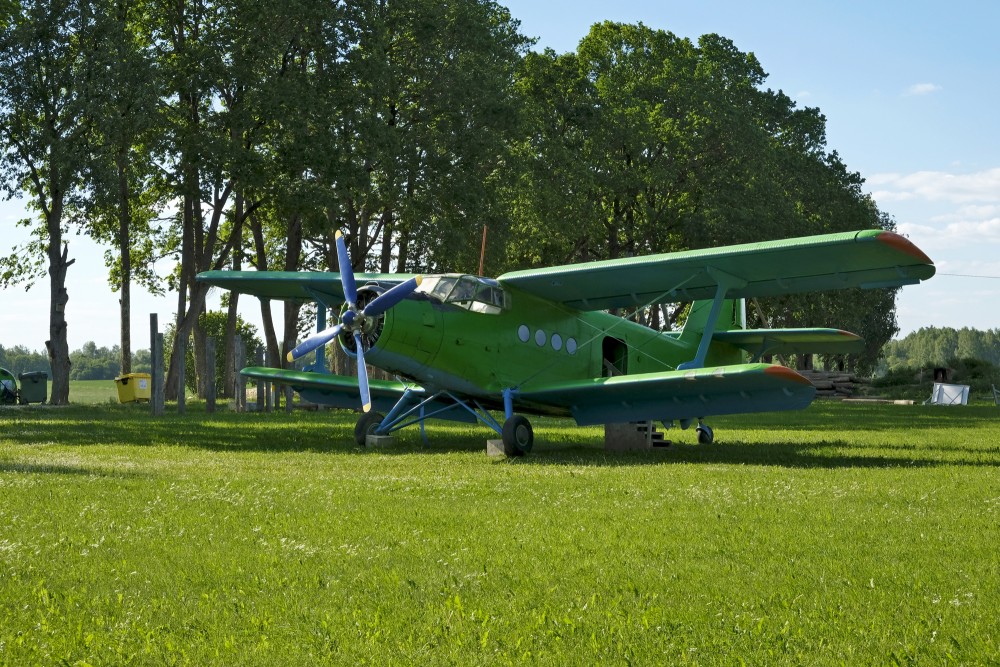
(353, 319)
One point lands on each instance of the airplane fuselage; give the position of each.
(482, 351)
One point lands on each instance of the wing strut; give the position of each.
(724, 282)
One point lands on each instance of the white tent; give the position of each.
(948, 394)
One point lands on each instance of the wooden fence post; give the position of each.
(156, 365)
(259, 361)
(210, 374)
(182, 378)
(239, 360)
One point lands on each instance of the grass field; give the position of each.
(843, 534)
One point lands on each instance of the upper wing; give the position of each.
(294, 285)
(871, 258)
(672, 395)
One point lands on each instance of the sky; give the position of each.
(909, 90)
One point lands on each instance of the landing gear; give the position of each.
(517, 436)
(367, 423)
(705, 434)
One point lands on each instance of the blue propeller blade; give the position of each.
(346, 271)
(387, 300)
(312, 342)
(366, 398)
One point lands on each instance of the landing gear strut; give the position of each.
(517, 436)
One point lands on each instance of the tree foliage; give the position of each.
(930, 347)
(258, 129)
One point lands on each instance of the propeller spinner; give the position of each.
(353, 319)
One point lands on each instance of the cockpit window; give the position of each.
(438, 287)
(480, 295)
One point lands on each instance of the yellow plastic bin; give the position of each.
(134, 387)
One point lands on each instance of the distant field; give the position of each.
(92, 391)
(843, 534)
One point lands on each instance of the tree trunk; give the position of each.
(228, 347)
(57, 345)
(293, 251)
(125, 252)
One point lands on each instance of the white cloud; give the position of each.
(923, 89)
(981, 187)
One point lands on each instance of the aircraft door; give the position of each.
(614, 357)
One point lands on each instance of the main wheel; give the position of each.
(517, 436)
(366, 426)
(705, 434)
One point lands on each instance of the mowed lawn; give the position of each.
(842, 534)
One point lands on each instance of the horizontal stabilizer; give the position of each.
(670, 395)
(792, 341)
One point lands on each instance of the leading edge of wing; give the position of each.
(869, 258)
(341, 391)
(669, 395)
(294, 285)
(792, 341)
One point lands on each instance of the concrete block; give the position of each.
(624, 438)
(494, 448)
(379, 441)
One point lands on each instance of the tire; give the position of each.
(366, 426)
(518, 437)
(705, 434)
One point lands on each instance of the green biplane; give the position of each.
(541, 342)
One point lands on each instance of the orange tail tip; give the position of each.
(904, 245)
(786, 374)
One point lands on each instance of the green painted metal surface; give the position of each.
(869, 258)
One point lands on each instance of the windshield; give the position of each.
(480, 295)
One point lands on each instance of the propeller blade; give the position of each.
(366, 398)
(346, 271)
(312, 342)
(388, 299)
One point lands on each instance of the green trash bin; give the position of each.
(8, 387)
(34, 387)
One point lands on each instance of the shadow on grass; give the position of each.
(58, 469)
(557, 443)
(773, 454)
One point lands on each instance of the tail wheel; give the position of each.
(517, 436)
(705, 434)
(366, 426)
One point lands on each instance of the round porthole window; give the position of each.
(523, 333)
(571, 345)
(540, 338)
(556, 342)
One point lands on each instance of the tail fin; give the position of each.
(731, 316)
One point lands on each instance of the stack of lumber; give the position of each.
(833, 384)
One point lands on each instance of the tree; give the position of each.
(45, 70)
(123, 196)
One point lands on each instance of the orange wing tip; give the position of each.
(786, 374)
(904, 245)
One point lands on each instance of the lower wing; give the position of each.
(341, 391)
(672, 395)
